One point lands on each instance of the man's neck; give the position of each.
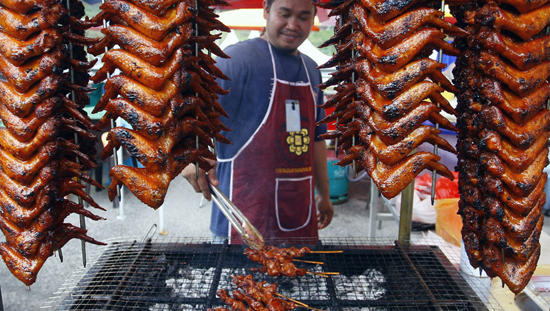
(291, 52)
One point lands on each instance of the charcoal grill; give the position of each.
(184, 274)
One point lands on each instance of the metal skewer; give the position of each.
(115, 153)
(197, 94)
(353, 138)
(76, 141)
(439, 59)
(340, 23)
(252, 238)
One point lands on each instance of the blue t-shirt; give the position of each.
(251, 72)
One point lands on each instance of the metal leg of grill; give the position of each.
(1, 303)
(405, 219)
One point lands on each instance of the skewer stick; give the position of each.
(309, 261)
(298, 302)
(293, 300)
(318, 273)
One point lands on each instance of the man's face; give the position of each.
(288, 22)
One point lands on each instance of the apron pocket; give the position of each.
(293, 202)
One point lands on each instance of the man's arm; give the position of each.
(324, 205)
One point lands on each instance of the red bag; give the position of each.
(445, 188)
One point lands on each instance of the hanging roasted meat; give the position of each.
(46, 141)
(503, 76)
(387, 88)
(166, 89)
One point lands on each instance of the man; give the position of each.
(276, 159)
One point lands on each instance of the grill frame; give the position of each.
(115, 280)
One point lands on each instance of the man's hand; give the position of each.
(198, 182)
(325, 211)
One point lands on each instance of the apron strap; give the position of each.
(274, 66)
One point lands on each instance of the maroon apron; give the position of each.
(272, 179)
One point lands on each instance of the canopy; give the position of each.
(250, 19)
(322, 14)
(251, 4)
(244, 4)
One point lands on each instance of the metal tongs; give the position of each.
(251, 237)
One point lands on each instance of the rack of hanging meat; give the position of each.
(45, 139)
(186, 274)
(165, 89)
(503, 76)
(387, 87)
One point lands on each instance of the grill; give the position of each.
(184, 274)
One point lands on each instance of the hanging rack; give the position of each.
(407, 195)
(116, 153)
(439, 59)
(80, 201)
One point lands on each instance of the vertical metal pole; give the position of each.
(373, 209)
(1, 303)
(405, 218)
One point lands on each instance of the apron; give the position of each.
(272, 179)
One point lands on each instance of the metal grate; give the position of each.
(184, 274)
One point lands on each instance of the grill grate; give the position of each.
(184, 274)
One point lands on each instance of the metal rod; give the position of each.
(336, 141)
(115, 154)
(214, 140)
(1, 302)
(340, 23)
(373, 208)
(60, 253)
(76, 141)
(405, 218)
(196, 94)
(354, 164)
(121, 204)
(439, 59)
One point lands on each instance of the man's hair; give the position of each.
(270, 2)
